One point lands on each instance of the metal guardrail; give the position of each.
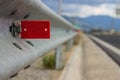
(15, 53)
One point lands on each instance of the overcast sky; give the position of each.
(84, 8)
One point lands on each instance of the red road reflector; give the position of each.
(35, 29)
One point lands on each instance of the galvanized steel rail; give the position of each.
(15, 53)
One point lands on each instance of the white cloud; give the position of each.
(88, 10)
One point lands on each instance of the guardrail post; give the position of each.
(58, 56)
(69, 44)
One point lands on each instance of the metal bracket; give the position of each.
(15, 30)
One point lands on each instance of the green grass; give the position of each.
(49, 61)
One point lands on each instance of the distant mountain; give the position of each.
(104, 22)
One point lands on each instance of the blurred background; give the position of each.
(89, 15)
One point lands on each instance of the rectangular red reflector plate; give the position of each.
(35, 29)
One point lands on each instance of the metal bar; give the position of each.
(58, 56)
(60, 7)
(69, 44)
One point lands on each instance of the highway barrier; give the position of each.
(16, 53)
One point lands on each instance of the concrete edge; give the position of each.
(73, 69)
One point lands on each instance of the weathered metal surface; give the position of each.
(16, 53)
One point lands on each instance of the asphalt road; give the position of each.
(111, 39)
